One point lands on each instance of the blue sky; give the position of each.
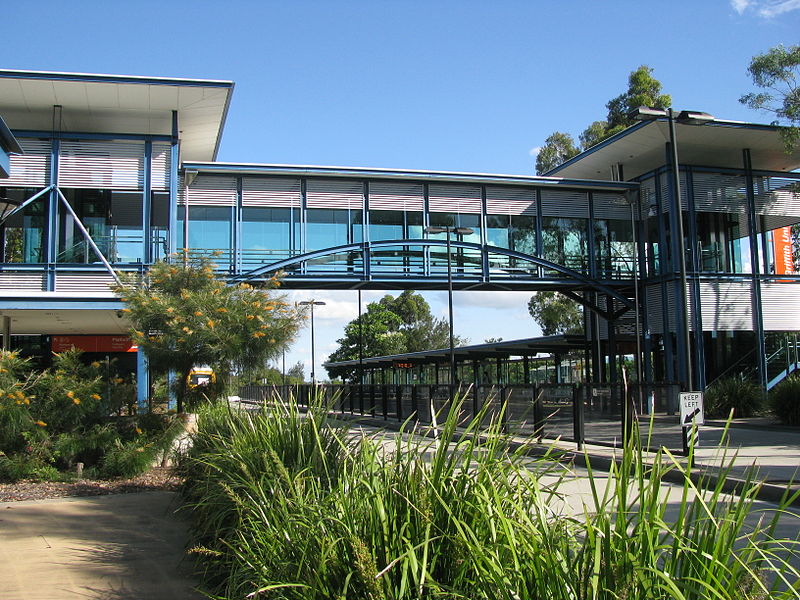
(440, 85)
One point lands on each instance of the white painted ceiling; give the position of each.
(716, 144)
(75, 321)
(112, 104)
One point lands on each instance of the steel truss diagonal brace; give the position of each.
(29, 201)
(607, 315)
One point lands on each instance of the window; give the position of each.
(23, 234)
(723, 243)
(113, 220)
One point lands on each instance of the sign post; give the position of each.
(691, 404)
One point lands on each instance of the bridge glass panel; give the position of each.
(23, 233)
(523, 234)
(498, 231)
(267, 234)
(515, 232)
(564, 242)
(386, 225)
(209, 231)
(112, 218)
(326, 228)
(394, 225)
(465, 261)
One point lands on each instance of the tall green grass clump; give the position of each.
(289, 506)
(784, 400)
(736, 393)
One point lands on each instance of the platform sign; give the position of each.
(691, 408)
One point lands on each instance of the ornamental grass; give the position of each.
(291, 505)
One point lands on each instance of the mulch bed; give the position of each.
(156, 479)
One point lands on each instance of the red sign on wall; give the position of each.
(92, 343)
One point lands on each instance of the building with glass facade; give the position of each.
(117, 172)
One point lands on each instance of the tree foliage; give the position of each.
(184, 316)
(643, 90)
(776, 72)
(392, 325)
(558, 148)
(556, 314)
(270, 375)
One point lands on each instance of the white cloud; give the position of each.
(778, 7)
(765, 8)
(740, 5)
(535, 151)
(494, 300)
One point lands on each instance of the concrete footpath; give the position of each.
(116, 547)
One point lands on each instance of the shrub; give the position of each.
(785, 400)
(19, 466)
(69, 395)
(128, 459)
(61, 416)
(736, 394)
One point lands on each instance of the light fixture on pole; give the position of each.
(448, 231)
(686, 117)
(312, 304)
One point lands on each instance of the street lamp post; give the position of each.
(312, 304)
(644, 113)
(448, 231)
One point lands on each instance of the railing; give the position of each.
(116, 247)
(385, 260)
(582, 413)
(783, 358)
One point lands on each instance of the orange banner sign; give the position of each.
(782, 241)
(92, 343)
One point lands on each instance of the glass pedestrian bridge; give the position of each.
(367, 228)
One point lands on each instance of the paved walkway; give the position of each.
(117, 547)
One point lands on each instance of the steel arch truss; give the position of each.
(401, 263)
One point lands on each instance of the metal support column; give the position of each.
(173, 189)
(6, 333)
(50, 240)
(142, 382)
(758, 316)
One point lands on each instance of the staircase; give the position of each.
(783, 358)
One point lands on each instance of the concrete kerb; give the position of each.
(602, 458)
